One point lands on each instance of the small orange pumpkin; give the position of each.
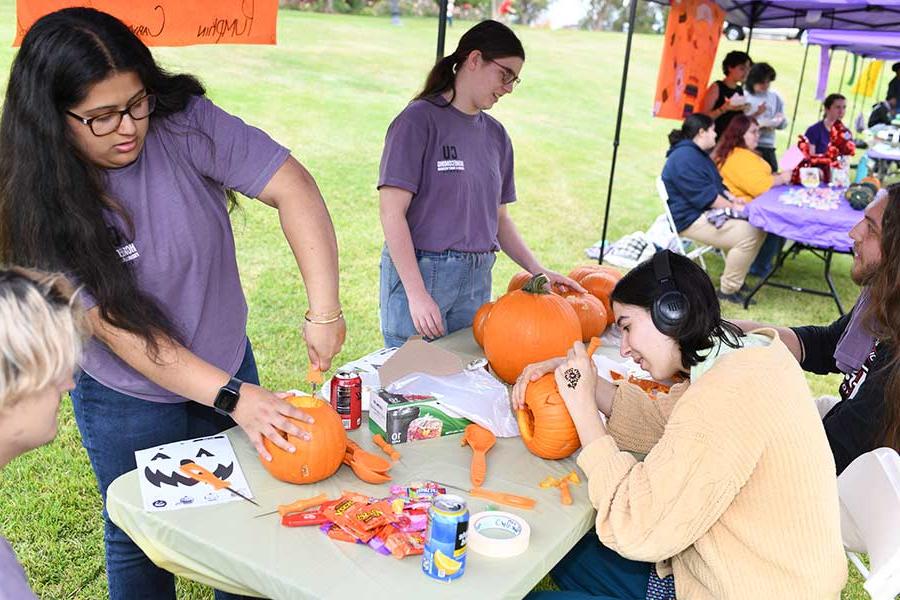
(546, 427)
(600, 284)
(518, 281)
(481, 316)
(580, 272)
(316, 459)
(527, 326)
(591, 313)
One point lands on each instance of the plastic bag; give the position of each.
(473, 394)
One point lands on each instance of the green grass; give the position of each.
(328, 91)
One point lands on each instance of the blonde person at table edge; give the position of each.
(41, 334)
(736, 497)
(445, 181)
(119, 174)
(747, 175)
(694, 186)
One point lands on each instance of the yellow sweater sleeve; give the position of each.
(746, 174)
(655, 509)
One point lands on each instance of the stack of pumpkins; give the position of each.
(531, 323)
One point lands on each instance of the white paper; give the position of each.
(165, 487)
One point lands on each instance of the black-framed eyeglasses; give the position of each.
(509, 76)
(109, 122)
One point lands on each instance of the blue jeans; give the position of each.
(765, 258)
(591, 570)
(113, 425)
(459, 282)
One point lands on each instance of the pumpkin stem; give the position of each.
(537, 285)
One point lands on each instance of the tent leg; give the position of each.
(749, 39)
(442, 29)
(632, 12)
(843, 72)
(797, 101)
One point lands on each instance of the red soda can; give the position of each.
(346, 398)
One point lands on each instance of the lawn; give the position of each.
(328, 90)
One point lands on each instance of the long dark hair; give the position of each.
(52, 199)
(693, 125)
(492, 38)
(703, 325)
(883, 315)
(732, 137)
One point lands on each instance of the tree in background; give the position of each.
(612, 15)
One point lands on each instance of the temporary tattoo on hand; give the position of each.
(572, 376)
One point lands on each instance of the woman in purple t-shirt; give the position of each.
(119, 174)
(40, 340)
(446, 177)
(819, 133)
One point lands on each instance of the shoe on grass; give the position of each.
(734, 298)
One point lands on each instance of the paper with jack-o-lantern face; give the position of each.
(165, 487)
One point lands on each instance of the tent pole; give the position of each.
(797, 101)
(442, 29)
(749, 38)
(632, 13)
(843, 72)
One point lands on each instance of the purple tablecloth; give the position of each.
(819, 228)
(875, 154)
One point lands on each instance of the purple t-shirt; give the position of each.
(459, 169)
(182, 251)
(13, 584)
(819, 137)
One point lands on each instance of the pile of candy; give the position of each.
(816, 198)
(392, 526)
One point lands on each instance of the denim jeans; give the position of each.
(591, 570)
(113, 425)
(459, 282)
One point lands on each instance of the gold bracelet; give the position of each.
(324, 316)
(325, 321)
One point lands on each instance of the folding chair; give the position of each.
(869, 490)
(689, 248)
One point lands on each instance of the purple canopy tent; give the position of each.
(871, 15)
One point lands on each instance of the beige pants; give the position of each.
(738, 238)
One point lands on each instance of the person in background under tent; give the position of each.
(717, 102)
(883, 112)
(819, 133)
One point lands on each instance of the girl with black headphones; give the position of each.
(737, 486)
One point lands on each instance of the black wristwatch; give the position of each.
(228, 396)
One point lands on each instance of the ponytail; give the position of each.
(693, 125)
(441, 78)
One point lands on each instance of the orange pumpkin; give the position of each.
(600, 284)
(579, 273)
(546, 427)
(518, 281)
(481, 316)
(591, 313)
(527, 326)
(316, 459)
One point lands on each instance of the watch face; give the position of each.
(226, 400)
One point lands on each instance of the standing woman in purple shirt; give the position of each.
(120, 174)
(446, 177)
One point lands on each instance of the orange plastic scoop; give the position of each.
(480, 440)
(387, 448)
(367, 466)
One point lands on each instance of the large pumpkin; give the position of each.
(600, 284)
(478, 322)
(316, 459)
(527, 326)
(518, 281)
(591, 313)
(546, 427)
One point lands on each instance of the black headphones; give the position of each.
(670, 308)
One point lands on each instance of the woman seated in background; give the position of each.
(768, 108)
(736, 497)
(819, 133)
(694, 186)
(747, 175)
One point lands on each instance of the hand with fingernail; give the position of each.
(262, 413)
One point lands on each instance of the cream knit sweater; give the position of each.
(737, 494)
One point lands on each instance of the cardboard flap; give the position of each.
(418, 356)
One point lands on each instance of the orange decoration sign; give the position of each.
(692, 38)
(172, 22)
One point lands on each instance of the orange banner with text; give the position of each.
(692, 38)
(172, 22)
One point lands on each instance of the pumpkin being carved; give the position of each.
(546, 427)
(527, 326)
(481, 316)
(316, 459)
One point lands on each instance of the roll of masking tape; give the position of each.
(498, 534)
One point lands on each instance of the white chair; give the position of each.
(869, 490)
(689, 248)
